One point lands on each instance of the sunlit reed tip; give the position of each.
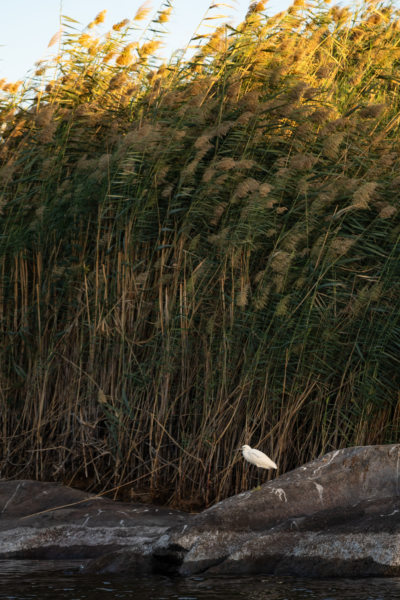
(55, 38)
(85, 40)
(256, 7)
(143, 11)
(121, 25)
(149, 48)
(100, 17)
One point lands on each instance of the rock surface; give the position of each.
(89, 527)
(336, 516)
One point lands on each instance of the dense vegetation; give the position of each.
(201, 254)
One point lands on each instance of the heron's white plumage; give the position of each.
(258, 458)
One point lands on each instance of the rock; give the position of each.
(336, 516)
(84, 526)
(349, 542)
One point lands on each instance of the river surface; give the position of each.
(59, 580)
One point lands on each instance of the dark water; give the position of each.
(53, 580)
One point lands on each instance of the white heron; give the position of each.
(258, 458)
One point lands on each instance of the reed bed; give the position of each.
(202, 253)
